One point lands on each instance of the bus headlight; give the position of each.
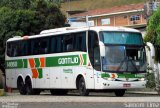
(142, 79)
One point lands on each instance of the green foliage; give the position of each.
(27, 17)
(153, 32)
(153, 29)
(48, 15)
(16, 4)
(150, 81)
(15, 22)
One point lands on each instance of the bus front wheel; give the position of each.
(119, 93)
(82, 87)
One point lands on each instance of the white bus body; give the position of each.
(76, 61)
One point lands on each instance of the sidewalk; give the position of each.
(143, 92)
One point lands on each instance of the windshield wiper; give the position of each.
(133, 64)
(121, 64)
(127, 61)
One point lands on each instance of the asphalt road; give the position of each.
(73, 100)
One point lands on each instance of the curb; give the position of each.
(139, 92)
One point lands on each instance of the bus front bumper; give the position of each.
(122, 85)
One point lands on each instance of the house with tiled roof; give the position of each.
(127, 15)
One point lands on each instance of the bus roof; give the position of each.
(66, 30)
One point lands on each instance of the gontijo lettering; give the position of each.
(68, 60)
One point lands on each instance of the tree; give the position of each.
(13, 23)
(48, 15)
(153, 29)
(17, 4)
(27, 17)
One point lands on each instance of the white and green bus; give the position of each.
(86, 59)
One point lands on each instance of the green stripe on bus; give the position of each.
(106, 75)
(25, 64)
(40, 73)
(19, 63)
(71, 60)
(37, 62)
(85, 59)
(126, 75)
(131, 75)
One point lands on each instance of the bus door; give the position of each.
(94, 56)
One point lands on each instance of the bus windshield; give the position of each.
(128, 38)
(123, 53)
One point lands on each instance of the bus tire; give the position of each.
(82, 87)
(29, 89)
(58, 92)
(119, 93)
(21, 86)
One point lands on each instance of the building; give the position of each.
(127, 15)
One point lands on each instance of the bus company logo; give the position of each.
(79, 60)
(68, 60)
(12, 64)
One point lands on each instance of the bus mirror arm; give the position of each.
(102, 48)
(102, 51)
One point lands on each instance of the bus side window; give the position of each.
(35, 47)
(53, 44)
(16, 49)
(40, 46)
(59, 44)
(83, 44)
(44, 46)
(25, 48)
(94, 50)
(22, 48)
(68, 43)
(9, 49)
(80, 41)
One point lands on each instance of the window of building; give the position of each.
(135, 17)
(91, 23)
(105, 21)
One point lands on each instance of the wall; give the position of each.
(120, 20)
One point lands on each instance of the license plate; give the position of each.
(126, 85)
